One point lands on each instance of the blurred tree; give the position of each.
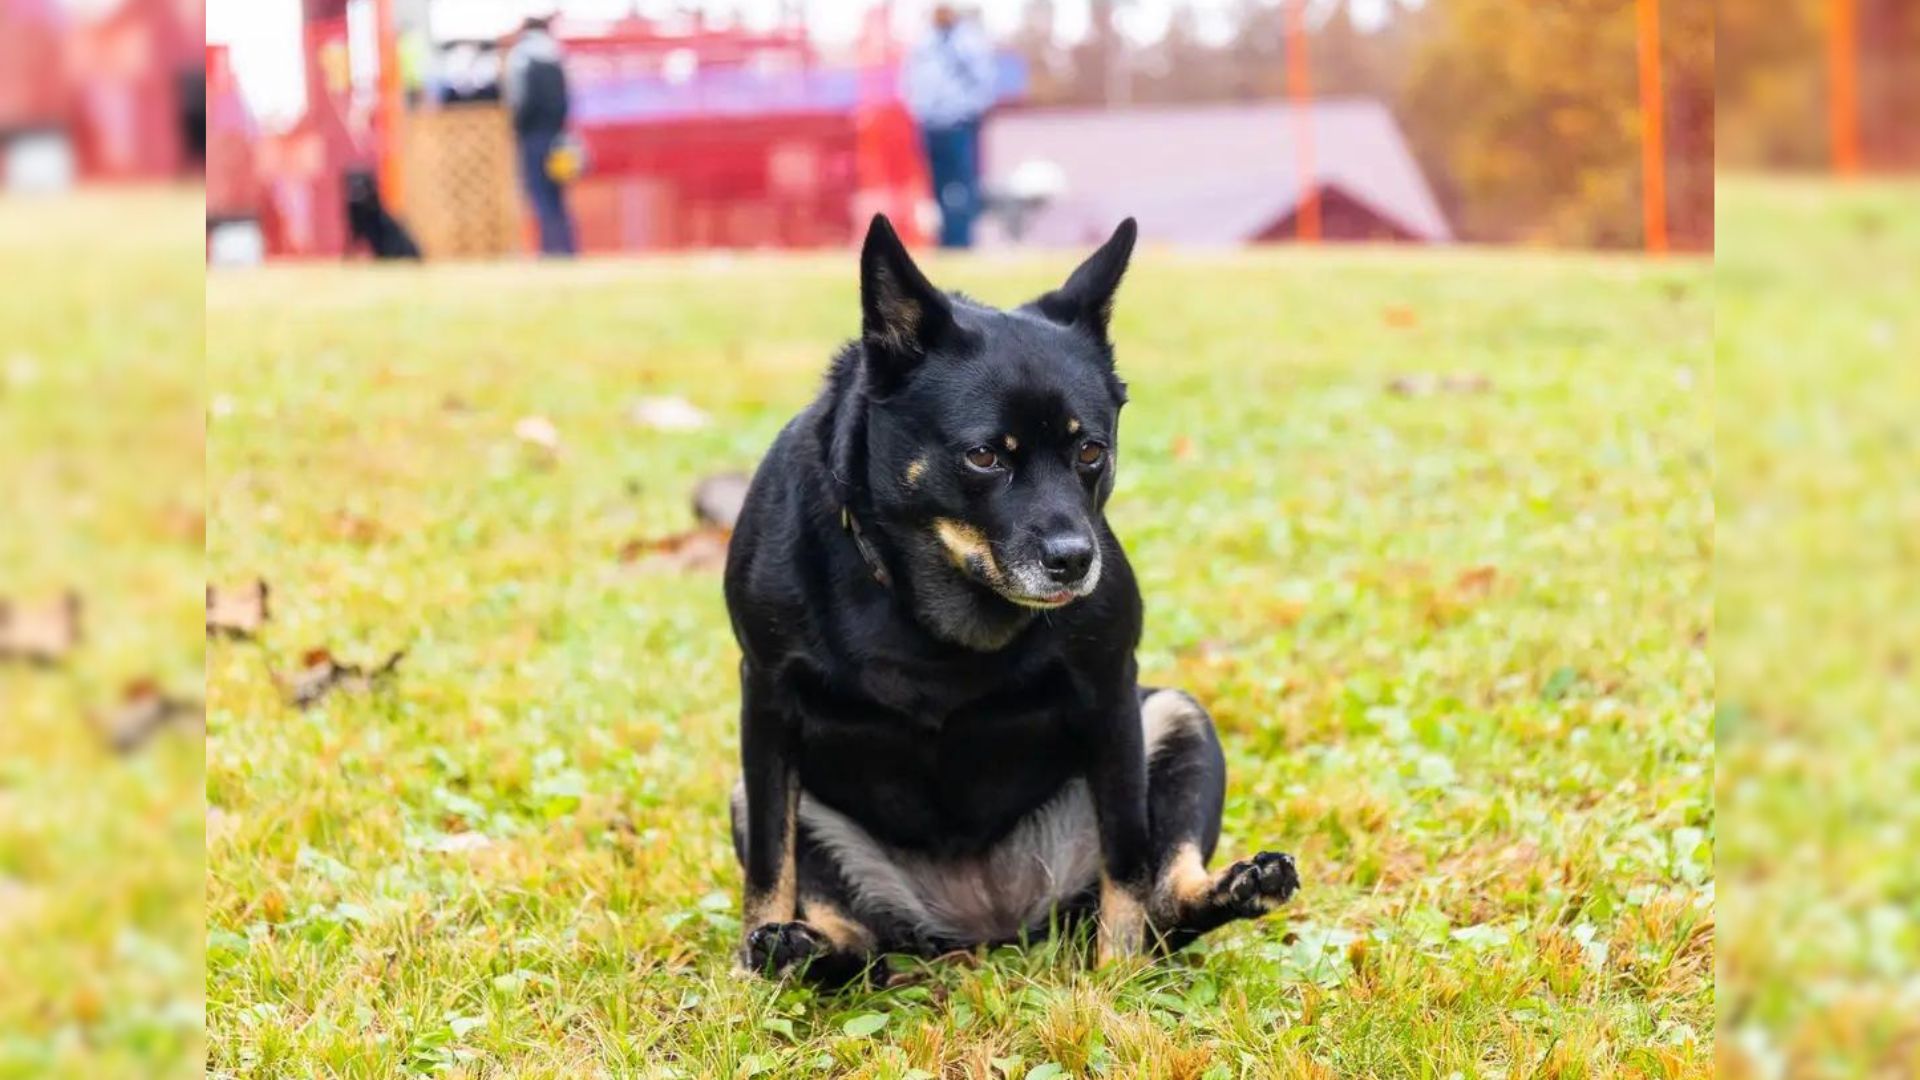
(1773, 84)
(1533, 117)
(1524, 116)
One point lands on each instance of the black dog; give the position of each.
(943, 739)
(369, 223)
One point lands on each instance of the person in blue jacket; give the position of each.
(949, 86)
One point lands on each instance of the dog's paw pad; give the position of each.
(1260, 884)
(776, 948)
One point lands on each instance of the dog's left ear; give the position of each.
(902, 315)
(1086, 300)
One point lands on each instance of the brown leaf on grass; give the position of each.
(143, 711)
(238, 612)
(184, 524)
(700, 549)
(321, 674)
(355, 529)
(44, 633)
(1430, 385)
(1182, 448)
(1476, 582)
(718, 498)
(1400, 317)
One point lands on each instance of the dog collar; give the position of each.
(867, 552)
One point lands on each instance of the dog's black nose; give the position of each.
(1066, 557)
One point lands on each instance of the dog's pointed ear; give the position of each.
(902, 315)
(1086, 300)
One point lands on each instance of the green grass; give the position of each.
(101, 858)
(1455, 646)
(1818, 628)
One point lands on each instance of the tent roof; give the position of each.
(1208, 174)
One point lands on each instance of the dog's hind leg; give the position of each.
(1186, 788)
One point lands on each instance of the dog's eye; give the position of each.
(984, 458)
(1092, 453)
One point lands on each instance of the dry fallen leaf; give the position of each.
(1477, 581)
(238, 612)
(43, 633)
(320, 675)
(356, 529)
(539, 433)
(717, 499)
(18, 902)
(1182, 448)
(1428, 385)
(701, 549)
(144, 709)
(668, 414)
(1400, 317)
(184, 524)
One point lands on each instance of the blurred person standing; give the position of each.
(949, 86)
(535, 88)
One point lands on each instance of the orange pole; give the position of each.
(1300, 91)
(1653, 139)
(389, 108)
(1843, 95)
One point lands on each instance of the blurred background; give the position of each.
(785, 124)
(143, 139)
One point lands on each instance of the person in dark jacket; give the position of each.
(536, 90)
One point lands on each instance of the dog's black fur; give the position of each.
(371, 225)
(938, 631)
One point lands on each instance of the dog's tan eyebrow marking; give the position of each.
(1073, 426)
(1010, 442)
(916, 469)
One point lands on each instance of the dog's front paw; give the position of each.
(1253, 887)
(776, 948)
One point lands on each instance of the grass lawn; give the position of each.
(1455, 645)
(1818, 626)
(101, 867)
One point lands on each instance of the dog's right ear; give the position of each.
(902, 315)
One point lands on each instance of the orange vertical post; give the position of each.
(1300, 92)
(1653, 138)
(1843, 89)
(389, 107)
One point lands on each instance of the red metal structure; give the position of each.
(32, 79)
(735, 138)
(696, 136)
(113, 82)
(233, 180)
(130, 68)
